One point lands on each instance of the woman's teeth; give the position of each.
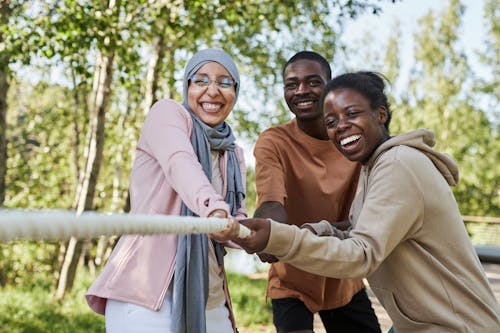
(210, 106)
(350, 139)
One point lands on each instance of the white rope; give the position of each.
(61, 225)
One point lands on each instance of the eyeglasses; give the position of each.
(203, 81)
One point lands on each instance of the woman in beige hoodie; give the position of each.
(407, 236)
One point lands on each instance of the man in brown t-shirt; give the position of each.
(301, 177)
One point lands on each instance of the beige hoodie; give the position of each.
(407, 238)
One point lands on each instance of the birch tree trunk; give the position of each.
(5, 12)
(4, 87)
(100, 100)
(76, 129)
(105, 244)
(153, 73)
(3, 145)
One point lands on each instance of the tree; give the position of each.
(101, 45)
(12, 47)
(440, 90)
(5, 12)
(41, 175)
(488, 98)
(100, 96)
(489, 87)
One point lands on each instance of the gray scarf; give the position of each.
(191, 267)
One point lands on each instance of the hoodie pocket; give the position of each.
(401, 320)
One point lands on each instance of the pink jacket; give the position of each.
(166, 172)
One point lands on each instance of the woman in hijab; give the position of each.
(187, 163)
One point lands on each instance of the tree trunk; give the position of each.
(5, 11)
(153, 73)
(100, 100)
(76, 128)
(4, 87)
(117, 201)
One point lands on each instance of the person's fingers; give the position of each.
(258, 239)
(218, 236)
(229, 233)
(219, 213)
(234, 227)
(245, 243)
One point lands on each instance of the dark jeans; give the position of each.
(290, 314)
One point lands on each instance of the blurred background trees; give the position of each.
(78, 77)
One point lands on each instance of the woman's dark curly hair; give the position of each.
(369, 84)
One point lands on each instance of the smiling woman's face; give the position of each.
(355, 128)
(212, 104)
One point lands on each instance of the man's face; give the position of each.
(304, 80)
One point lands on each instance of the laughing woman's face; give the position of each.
(355, 128)
(211, 102)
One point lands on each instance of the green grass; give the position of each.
(32, 309)
(252, 312)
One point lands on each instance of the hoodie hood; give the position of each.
(423, 140)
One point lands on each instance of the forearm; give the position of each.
(325, 228)
(273, 210)
(326, 256)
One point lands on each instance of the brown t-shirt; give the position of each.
(314, 182)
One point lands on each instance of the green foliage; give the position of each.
(251, 195)
(47, 122)
(27, 264)
(40, 168)
(248, 298)
(489, 87)
(442, 102)
(15, 28)
(445, 95)
(33, 309)
(44, 165)
(441, 97)
(484, 233)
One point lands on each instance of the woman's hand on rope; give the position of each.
(232, 230)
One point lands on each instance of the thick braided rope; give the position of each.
(61, 225)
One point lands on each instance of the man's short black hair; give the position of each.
(313, 56)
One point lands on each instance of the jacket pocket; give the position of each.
(125, 249)
(401, 320)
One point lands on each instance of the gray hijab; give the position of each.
(190, 290)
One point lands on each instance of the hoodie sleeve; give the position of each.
(325, 228)
(391, 212)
